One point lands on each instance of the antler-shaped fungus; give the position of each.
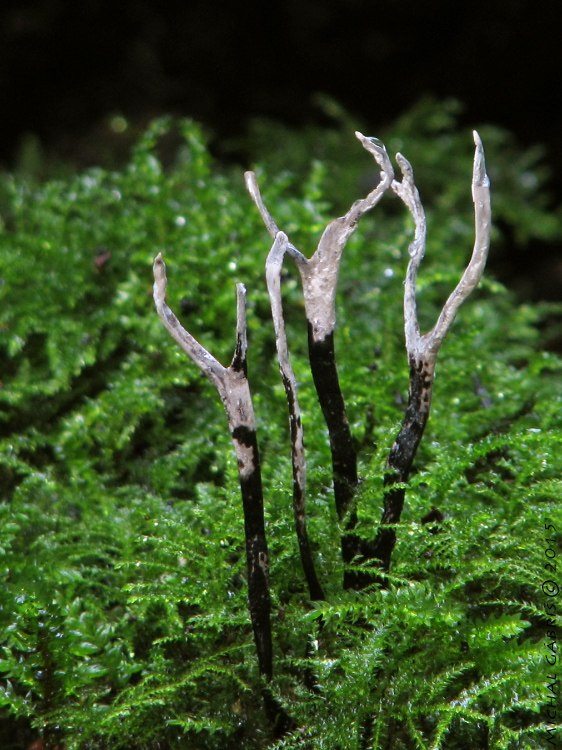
(234, 390)
(319, 276)
(423, 349)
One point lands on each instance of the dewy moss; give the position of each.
(142, 604)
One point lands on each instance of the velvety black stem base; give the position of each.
(279, 720)
(257, 559)
(344, 456)
(314, 587)
(399, 464)
(403, 452)
(256, 552)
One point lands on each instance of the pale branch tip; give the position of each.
(273, 266)
(378, 150)
(473, 272)
(348, 222)
(238, 363)
(255, 194)
(203, 358)
(480, 175)
(407, 191)
(241, 322)
(160, 280)
(427, 346)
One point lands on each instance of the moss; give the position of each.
(123, 613)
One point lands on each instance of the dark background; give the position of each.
(68, 66)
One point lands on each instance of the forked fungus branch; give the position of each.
(234, 390)
(319, 276)
(423, 349)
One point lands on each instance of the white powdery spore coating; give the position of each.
(246, 459)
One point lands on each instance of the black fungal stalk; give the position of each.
(424, 349)
(234, 390)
